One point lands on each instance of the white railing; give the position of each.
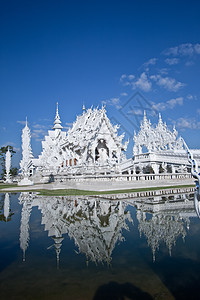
(123, 177)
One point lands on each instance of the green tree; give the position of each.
(2, 218)
(161, 170)
(148, 170)
(3, 151)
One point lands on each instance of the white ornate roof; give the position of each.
(156, 138)
(92, 123)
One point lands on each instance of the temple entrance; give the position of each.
(101, 151)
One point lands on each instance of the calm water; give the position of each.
(91, 248)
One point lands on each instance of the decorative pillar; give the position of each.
(8, 166)
(27, 156)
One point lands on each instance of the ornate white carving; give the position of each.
(90, 145)
(161, 228)
(157, 138)
(26, 200)
(94, 139)
(93, 147)
(27, 156)
(96, 226)
(54, 155)
(196, 174)
(57, 122)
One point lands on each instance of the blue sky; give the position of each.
(128, 55)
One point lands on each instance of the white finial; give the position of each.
(145, 118)
(57, 122)
(160, 119)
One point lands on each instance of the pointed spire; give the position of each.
(145, 121)
(145, 116)
(26, 125)
(57, 122)
(57, 246)
(160, 121)
(83, 108)
(24, 255)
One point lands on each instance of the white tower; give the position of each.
(8, 166)
(6, 209)
(57, 122)
(26, 200)
(27, 156)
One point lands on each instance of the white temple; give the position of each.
(92, 149)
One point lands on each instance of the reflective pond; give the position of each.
(140, 246)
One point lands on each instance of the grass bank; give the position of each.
(74, 192)
(5, 186)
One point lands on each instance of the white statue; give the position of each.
(8, 166)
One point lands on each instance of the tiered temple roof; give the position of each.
(156, 138)
(90, 124)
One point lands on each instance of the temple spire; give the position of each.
(26, 161)
(145, 117)
(57, 246)
(160, 121)
(57, 122)
(83, 108)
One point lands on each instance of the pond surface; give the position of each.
(81, 248)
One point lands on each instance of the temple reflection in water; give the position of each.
(97, 225)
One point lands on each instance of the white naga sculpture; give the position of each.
(196, 174)
(8, 166)
(26, 162)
